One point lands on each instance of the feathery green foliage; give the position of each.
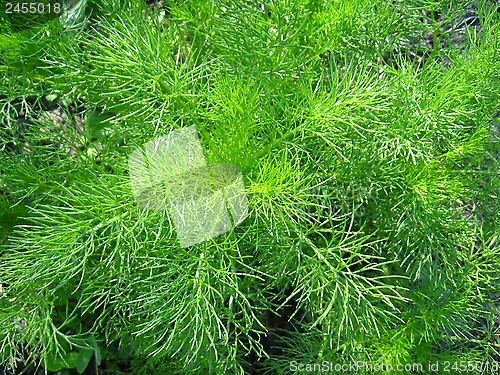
(370, 160)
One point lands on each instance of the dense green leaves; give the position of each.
(370, 160)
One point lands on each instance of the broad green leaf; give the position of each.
(83, 359)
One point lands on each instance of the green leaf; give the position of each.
(97, 125)
(83, 359)
(71, 359)
(55, 362)
(97, 351)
